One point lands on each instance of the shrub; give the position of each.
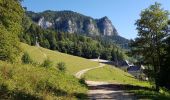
(26, 59)
(83, 81)
(61, 66)
(47, 63)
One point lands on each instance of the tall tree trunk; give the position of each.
(156, 74)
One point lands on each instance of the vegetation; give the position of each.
(114, 75)
(61, 66)
(165, 66)
(10, 25)
(141, 89)
(152, 29)
(72, 43)
(80, 21)
(18, 82)
(73, 64)
(47, 63)
(26, 59)
(36, 77)
(151, 94)
(29, 80)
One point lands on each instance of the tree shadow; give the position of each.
(118, 91)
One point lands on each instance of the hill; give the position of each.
(73, 63)
(28, 82)
(32, 81)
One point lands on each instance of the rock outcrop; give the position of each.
(73, 22)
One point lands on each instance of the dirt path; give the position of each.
(105, 90)
(80, 73)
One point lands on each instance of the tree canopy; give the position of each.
(152, 29)
(11, 14)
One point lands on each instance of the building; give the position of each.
(124, 65)
(137, 71)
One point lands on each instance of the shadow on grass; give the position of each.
(108, 63)
(135, 91)
(146, 94)
(80, 96)
(119, 87)
(6, 94)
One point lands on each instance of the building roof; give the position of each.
(123, 63)
(134, 68)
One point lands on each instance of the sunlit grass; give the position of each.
(73, 63)
(28, 82)
(114, 75)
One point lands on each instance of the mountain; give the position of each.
(72, 22)
(76, 23)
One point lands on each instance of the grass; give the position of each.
(27, 82)
(73, 63)
(114, 75)
(18, 81)
(151, 95)
(32, 81)
(142, 90)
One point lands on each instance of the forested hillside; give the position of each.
(75, 44)
(76, 23)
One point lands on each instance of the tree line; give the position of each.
(75, 44)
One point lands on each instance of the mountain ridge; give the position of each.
(73, 22)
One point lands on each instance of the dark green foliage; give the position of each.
(47, 63)
(81, 22)
(26, 59)
(74, 44)
(165, 69)
(61, 66)
(10, 25)
(151, 32)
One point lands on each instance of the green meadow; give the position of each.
(73, 63)
(114, 75)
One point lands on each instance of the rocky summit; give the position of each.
(72, 22)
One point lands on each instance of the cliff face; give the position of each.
(73, 22)
(106, 27)
(43, 23)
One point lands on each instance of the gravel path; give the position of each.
(105, 90)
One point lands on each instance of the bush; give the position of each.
(47, 63)
(61, 66)
(26, 59)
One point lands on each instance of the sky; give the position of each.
(122, 13)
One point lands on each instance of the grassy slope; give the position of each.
(113, 74)
(27, 82)
(73, 63)
(143, 90)
(18, 81)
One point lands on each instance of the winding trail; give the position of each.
(80, 73)
(104, 90)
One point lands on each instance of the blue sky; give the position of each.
(123, 13)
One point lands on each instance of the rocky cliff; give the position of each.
(73, 22)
